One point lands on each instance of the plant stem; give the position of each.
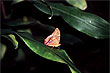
(3, 9)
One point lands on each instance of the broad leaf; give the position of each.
(78, 3)
(47, 52)
(87, 23)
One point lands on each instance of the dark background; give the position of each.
(90, 55)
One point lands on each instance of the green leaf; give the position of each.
(21, 21)
(20, 55)
(87, 23)
(81, 4)
(70, 39)
(8, 34)
(2, 50)
(17, 1)
(49, 27)
(12, 38)
(6, 31)
(47, 52)
(25, 30)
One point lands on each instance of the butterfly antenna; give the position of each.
(50, 8)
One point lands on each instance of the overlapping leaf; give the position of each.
(87, 23)
(12, 39)
(78, 3)
(46, 52)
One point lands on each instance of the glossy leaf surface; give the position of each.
(87, 23)
(81, 4)
(47, 52)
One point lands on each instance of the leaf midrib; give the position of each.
(57, 54)
(68, 62)
(79, 19)
(76, 17)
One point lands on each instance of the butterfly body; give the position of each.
(53, 39)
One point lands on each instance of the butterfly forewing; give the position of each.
(53, 39)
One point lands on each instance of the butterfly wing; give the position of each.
(54, 39)
(56, 34)
(46, 41)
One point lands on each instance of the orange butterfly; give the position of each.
(53, 39)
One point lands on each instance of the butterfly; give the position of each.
(53, 39)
